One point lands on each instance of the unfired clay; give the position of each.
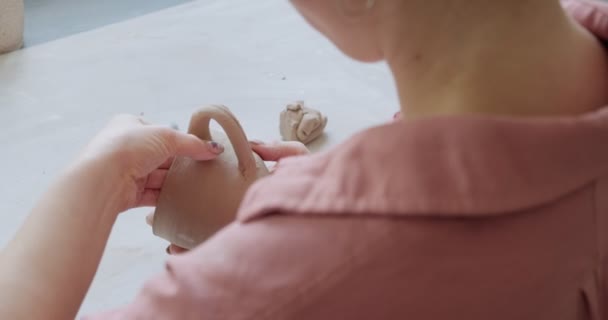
(11, 25)
(200, 197)
(299, 123)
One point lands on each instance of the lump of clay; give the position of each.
(299, 123)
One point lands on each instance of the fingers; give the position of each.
(188, 145)
(151, 188)
(176, 143)
(149, 198)
(278, 150)
(593, 15)
(173, 249)
(156, 179)
(167, 164)
(150, 218)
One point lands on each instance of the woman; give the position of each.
(487, 202)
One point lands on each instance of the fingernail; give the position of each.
(256, 142)
(216, 147)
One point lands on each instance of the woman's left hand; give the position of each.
(122, 167)
(139, 154)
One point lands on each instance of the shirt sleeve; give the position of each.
(247, 271)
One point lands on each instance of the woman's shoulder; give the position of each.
(451, 165)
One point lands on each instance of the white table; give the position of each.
(254, 56)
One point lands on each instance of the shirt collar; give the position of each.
(449, 165)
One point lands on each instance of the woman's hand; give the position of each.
(139, 155)
(593, 15)
(268, 152)
(123, 167)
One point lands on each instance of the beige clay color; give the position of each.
(11, 25)
(300, 123)
(200, 197)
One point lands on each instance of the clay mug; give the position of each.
(11, 25)
(200, 197)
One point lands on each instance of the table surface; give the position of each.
(253, 56)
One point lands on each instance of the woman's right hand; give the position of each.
(591, 14)
(268, 152)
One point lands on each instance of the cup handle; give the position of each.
(199, 126)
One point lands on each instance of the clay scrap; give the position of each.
(300, 123)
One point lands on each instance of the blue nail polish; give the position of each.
(216, 146)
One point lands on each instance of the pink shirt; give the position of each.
(456, 217)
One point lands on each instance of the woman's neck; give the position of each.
(516, 57)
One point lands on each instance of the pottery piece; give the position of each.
(200, 197)
(11, 25)
(299, 123)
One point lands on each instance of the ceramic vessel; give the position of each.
(200, 197)
(11, 25)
